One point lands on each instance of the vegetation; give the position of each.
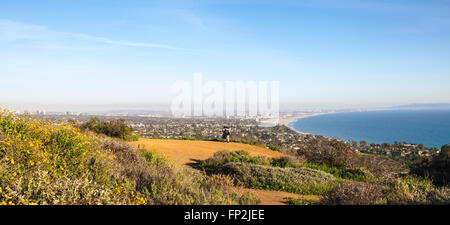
(411, 190)
(56, 163)
(45, 163)
(338, 154)
(270, 174)
(293, 201)
(295, 180)
(354, 193)
(114, 128)
(355, 174)
(437, 168)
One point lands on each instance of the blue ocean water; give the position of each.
(428, 127)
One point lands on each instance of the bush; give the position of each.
(295, 180)
(355, 174)
(43, 163)
(216, 162)
(354, 193)
(338, 154)
(333, 153)
(380, 167)
(416, 191)
(114, 128)
(293, 201)
(436, 168)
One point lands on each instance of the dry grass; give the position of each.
(183, 152)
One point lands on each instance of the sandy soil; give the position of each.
(183, 152)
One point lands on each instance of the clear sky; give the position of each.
(324, 52)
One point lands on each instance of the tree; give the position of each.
(363, 143)
(437, 168)
(114, 128)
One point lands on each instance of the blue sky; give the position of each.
(323, 52)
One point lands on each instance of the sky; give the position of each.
(323, 52)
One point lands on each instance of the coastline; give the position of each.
(290, 119)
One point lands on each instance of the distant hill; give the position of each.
(424, 106)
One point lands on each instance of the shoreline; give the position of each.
(288, 120)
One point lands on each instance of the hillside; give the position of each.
(58, 164)
(185, 152)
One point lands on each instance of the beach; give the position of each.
(291, 117)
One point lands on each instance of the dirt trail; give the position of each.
(183, 152)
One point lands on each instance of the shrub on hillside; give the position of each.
(379, 166)
(329, 152)
(295, 180)
(355, 174)
(354, 193)
(215, 163)
(114, 128)
(43, 163)
(411, 190)
(338, 154)
(436, 168)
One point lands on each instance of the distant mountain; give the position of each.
(424, 106)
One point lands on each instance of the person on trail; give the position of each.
(226, 134)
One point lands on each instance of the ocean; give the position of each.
(428, 127)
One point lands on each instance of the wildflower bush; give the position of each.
(45, 163)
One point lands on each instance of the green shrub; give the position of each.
(114, 128)
(216, 162)
(293, 201)
(416, 191)
(274, 148)
(135, 137)
(355, 174)
(219, 159)
(295, 180)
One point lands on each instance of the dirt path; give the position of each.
(183, 152)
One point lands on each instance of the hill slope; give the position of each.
(184, 152)
(58, 164)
